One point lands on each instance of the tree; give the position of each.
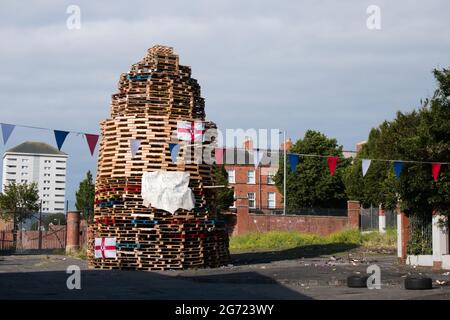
(311, 185)
(224, 196)
(422, 135)
(18, 203)
(85, 197)
(55, 218)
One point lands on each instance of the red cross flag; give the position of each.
(105, 248)
(190, 130)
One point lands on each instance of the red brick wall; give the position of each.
(353, 210)
(260, 188)
(304, 224)
(320, 225)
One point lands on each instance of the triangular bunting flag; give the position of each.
(365, 166)
(135, 144)
(92, 140)
(293, 161)
(7, 129)
(257, 156)
(60, 137)
(218, 153)
(174, 149)
(332, 162)
(435, 169)
(398, 167)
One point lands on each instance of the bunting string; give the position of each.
(385, 160)
(60, 135)
(92, 141)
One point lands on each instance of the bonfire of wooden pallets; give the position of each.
(155, 94)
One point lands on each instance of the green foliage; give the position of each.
(55, 218)
(420, 240)
(85, 197)
(224, 196)
(19, 202)
(311, 184)
(278, 240)
(421, 135)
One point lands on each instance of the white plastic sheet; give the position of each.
(167, 190)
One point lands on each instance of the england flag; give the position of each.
(190, 131)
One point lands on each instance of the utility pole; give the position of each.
(284, 171)
(40, 226)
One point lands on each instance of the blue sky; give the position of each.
(292, 65)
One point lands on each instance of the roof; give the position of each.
(235, 156)
(35, 148)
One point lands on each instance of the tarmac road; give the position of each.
(251, 276)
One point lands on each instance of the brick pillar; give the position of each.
(353, 210)
(381, 220)
(73, 231)
(243, 218)
(403, 234)
(439, 239)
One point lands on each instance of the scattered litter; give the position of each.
(446, 273)
(441, 282)
(333, 258)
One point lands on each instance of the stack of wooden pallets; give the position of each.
(155, 94)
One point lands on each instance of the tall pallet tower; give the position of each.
(153, 97)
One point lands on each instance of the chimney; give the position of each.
(288, 144)
(248, 143)
(359, 145)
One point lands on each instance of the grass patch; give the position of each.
(377, 241)
(279, 240)
(80, 253)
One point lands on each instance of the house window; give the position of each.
(234, 203)
(231, 176)
(270, 178)
(251, 176)
(251, 200)
(271, 200)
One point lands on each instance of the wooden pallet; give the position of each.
(155, 94)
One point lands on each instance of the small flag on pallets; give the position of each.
(105, 248)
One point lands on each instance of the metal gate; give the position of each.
(369, 219)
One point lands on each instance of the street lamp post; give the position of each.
(284, 171)
(284, 174)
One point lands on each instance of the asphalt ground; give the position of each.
(263, 275)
